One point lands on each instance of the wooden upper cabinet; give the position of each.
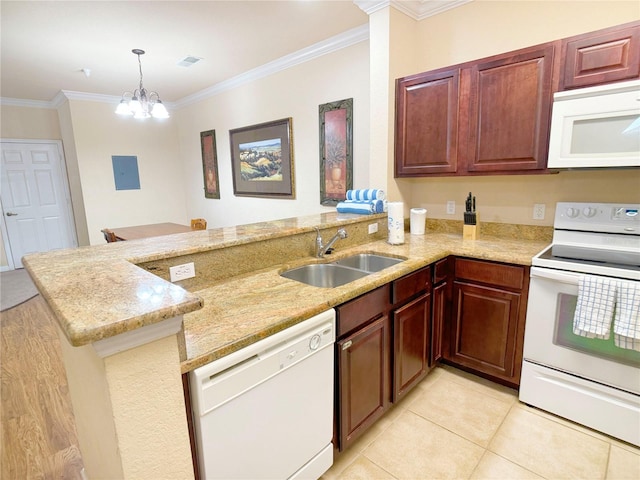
(510, 99)
(427, 123)
(604, 56)
(482, 117)
(492, 116)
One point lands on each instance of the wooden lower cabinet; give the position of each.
(441, 299)
(363, 369)
(410, 344)
(363, 365)
(486, 330)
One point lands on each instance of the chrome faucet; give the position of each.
(322, 249)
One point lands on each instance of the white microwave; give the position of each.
(596, 127)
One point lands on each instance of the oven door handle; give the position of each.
(555, 275)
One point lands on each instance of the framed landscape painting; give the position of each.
(336, 151)
(262, 160)
(210, 164)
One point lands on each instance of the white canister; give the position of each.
(418, 219)
(395, 212)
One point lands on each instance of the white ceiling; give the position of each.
(46, 44)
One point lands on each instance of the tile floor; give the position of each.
(457, 425)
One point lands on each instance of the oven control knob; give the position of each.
(589, 212)
(572, 212)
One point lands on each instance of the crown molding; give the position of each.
(416, 9)
(337, 42)
(21, 102)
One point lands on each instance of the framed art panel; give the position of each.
(210, 164)
(336, 151)
(262, 160)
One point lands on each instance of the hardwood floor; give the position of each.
(38, 429)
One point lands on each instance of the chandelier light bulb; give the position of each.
(140, 104)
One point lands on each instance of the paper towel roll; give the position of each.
(396, 222)
(418, 217)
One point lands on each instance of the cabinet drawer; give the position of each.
(410, 285)
(361, 310)
(441, 270)
(508, 276)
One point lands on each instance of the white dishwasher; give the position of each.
(266, 411)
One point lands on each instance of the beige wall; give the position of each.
(29, 123)
(97, 134)
(484, 28)
(296, 92)
(169, 157)
(169, 152)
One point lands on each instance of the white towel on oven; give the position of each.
(594, 310)
(626, 324)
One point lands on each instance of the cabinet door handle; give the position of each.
(11, 214)
(346, 345)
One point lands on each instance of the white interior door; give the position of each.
(36, 204)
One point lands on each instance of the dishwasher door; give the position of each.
(266, 411)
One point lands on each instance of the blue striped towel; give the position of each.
(626, 324)
(594, 310)
(366, 194)
(367, 207)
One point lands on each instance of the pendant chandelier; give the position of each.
(140, 103)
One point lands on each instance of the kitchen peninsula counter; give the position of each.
(244, 309)
(128, 333)
(99, 292)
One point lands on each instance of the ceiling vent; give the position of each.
(188, 61)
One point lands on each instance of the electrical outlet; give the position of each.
(538, 211)
(373, 228)
(182, 272)
(451, 207)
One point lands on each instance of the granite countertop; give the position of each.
(96, 292)
(100, 291)
(247, 308)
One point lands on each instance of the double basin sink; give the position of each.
(340, 272)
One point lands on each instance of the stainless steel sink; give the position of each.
(324, 275)
(340, 272)
(369, 262)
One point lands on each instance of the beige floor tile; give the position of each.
(493, 466)
(548, 448)
(364, 469)
(471, 413)
(414, 448)
(623, 464)
(340, 464)
(479, 384)
(625, 446)
(565, 422)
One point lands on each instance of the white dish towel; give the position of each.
(626, 324)
(594, 310)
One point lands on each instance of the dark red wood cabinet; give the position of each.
(411, 316)
(510, 100)
(486, 330)
(441, 298)
(362, 364)
(492, 116)
(487, 116)
(605, 56)
(427, 110)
